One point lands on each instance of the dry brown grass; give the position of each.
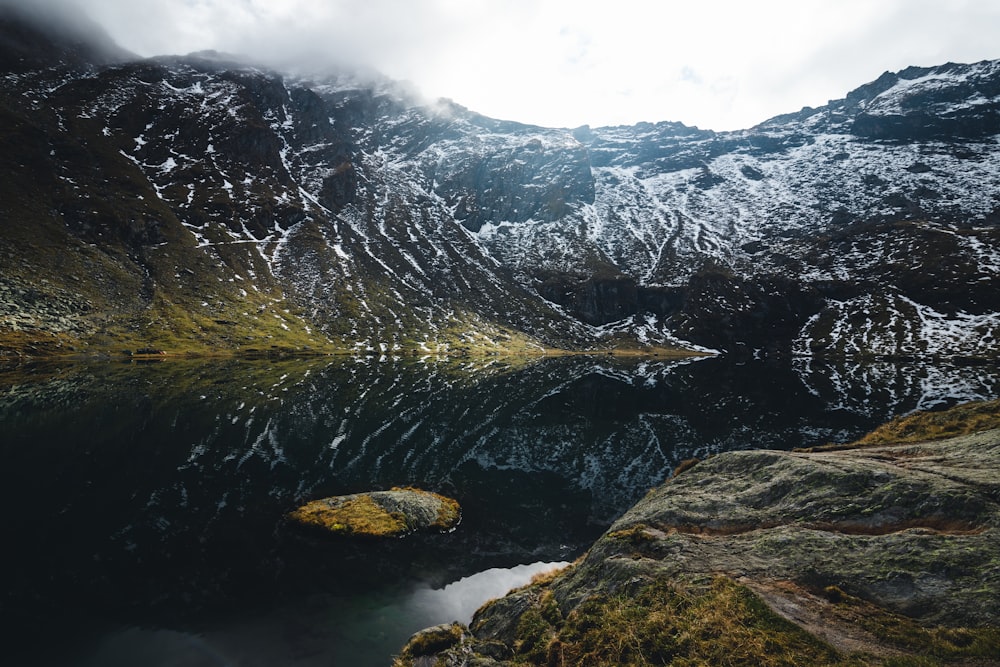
(924, 426)
(722, 623)
(357, 515)
(18, 343)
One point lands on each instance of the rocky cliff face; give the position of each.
(207, 201)
(866, 226)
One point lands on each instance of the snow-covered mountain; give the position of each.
(204, 201)
(867, 226)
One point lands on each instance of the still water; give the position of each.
(143, 505)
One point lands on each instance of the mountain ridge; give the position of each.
(205, 203)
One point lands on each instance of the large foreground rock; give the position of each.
(857, 556)
(392, 513)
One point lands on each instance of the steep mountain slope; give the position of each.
(70, 39)
(205, 202)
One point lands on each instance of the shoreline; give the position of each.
(27, 353)
(881, 550)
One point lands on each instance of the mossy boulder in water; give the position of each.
(392, 513)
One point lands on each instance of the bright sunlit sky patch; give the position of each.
(717, 64)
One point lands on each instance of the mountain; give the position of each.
(868, 226)
(207, 203)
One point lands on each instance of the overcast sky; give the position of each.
(717, 64)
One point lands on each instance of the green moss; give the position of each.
(36, 343)
(430, 642)
(636, 535)
(259, 322)
(663, 623)
(934, 644)
(963, 419)
(449, 511)
(468, 334)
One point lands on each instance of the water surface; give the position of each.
(143, 504)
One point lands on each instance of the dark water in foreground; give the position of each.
(142, 504)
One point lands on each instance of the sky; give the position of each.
(716, 64)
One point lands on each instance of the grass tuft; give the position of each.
(923, 426)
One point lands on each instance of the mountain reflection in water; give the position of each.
(143, 503)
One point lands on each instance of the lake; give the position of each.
(143, 504)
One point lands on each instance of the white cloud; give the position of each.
(721, 64)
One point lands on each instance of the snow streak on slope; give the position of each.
(896, 325)
(747, 200)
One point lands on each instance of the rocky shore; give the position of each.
(883, 552)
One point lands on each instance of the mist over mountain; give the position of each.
(202, 202)
(41, 35)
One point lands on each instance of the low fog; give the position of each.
(717, 64)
